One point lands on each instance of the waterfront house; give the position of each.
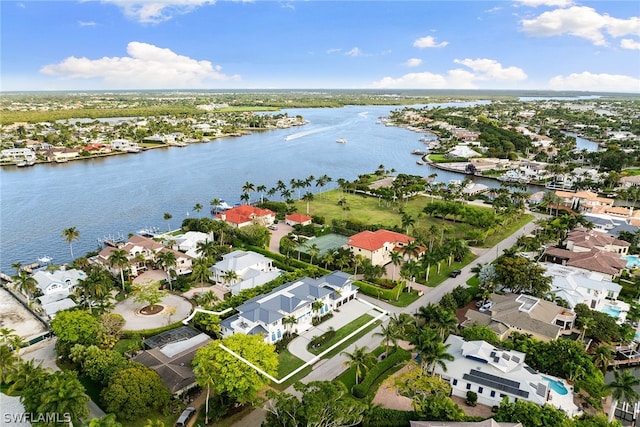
(251, 269)
(378, 245)
(578, 286)
(266, 314)
(297, 219)
(244, 215)
(56, 287)
(142, 252)
(125, 145)
(544, 320)
(495, 374)
(583, 201)
(188, 242)
(17, 154)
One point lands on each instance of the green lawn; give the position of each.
(342, 333)
(288, 363)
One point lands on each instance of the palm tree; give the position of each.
(8, 336)
(64, 394)
(246, 188)
(167, 260)
(8, 360)
(360, 360)
(586, 323)
(622, 388)
(403, 324)
(261, 189)
(27, 372)
(602, 356)
(26, 284)
(119, 259)
(407, 221)
(207, 249)
(167, 216)
(200, 272)
(396, 260)
(288, 322)
(197, 207)
(314, 250)
(109, 420)
(215, 204)
(358, 260)
(316, 306)
(205, 378)
(308, 197)
(17, 266)
(229, 276)
(70, 234)
(411, 250)
(389, 333)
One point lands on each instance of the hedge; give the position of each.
(376, 291)
(383, 417)
(398, 356)
(145, 333)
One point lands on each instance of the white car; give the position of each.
(486, 307)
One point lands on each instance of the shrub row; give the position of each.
(398, 356)
(376, 291)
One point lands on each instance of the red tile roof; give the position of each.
(298, 217)
(594, 260)
(244, 213)
(372, 240)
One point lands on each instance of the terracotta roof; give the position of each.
(589, 239)
(145, 242)
(372, 240)
(244, 213)
(594, 260)
(298, 217)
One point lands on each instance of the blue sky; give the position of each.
(420, 44)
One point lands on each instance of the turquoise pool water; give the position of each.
(611, 310)
(557, 386)
(633, 261)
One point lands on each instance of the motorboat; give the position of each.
(341, 141)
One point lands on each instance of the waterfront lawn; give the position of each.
(287, 363)
(370, 210)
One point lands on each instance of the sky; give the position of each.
(320, 44)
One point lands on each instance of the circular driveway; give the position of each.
(136, 322)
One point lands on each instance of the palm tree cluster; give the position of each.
(286, 192)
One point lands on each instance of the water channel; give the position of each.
(126, 193)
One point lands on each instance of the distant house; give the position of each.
(583, 201)
(18, 154)
(251, 269)
(462, 151)
(495, 374)
(584, 240)
(125, 145)
(172, 357)
(265, 314)
(544, 320)
(243, 215)
(377, 246)
(297, 219)
(188, 242)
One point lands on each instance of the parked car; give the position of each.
(455, 273)
(272, 227)
(486, 307)
(185, 416)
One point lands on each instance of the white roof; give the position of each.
(52, 308)
(240, 260)
(178, 347)
(46, 278)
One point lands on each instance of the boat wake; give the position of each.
(305, 133)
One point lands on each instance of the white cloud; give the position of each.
(86, 23)
(581, 21)
(482, 70)
(413, 62)
(335, 50)
(490, 69)
(156, 11)
(428, 41)
(536, 3)
(630, 44)
(356, 51)
(587, 81)
(146, 67)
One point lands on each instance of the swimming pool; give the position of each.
(633, 261)
(611, 310)
(556, 386)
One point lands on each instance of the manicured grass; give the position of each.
(341, 333)
(127, 344)
(348, 377)
(498, 237)
(350, 341)
(288, 363)
(630, 172)
(405, 299)
(295, 378)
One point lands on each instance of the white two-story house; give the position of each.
(267, 314)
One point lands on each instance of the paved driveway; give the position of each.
(136, 322)
(276, 235)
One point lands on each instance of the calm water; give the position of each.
(127, 193)
(583, 143)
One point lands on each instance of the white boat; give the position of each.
(420, 162)
(341, 141)
(44, 260)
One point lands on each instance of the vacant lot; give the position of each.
(16, 317)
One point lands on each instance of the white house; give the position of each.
(56, 287)
(494, 374)
(265, 314)
(18, 154)
(124, 145)
(188, 242)
(251, 270)
(578, 286)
